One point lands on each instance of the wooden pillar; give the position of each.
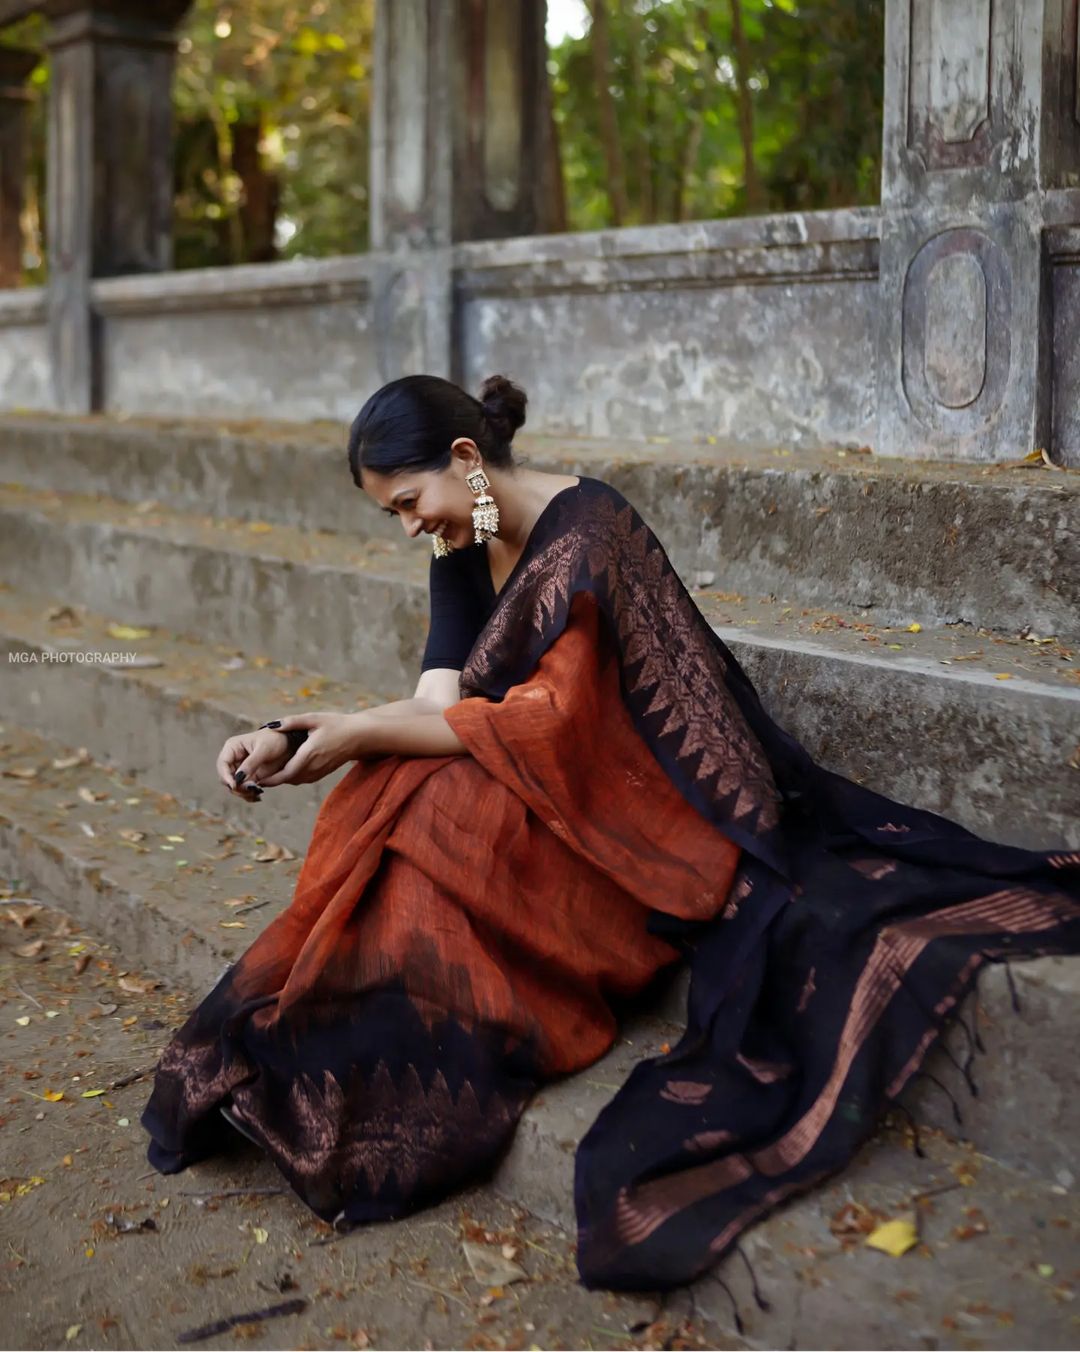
(110, 167)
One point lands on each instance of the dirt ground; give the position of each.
(97, 1250)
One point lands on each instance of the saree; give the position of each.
(463, 928)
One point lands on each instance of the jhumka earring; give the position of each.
(440, 547)
(485, 514)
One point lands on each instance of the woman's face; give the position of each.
(437, 502)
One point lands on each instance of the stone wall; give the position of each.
(1063, 247)
(25, 370)
(756, 330)
(759, 330)
(285, 340)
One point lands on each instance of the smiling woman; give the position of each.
(584, 788)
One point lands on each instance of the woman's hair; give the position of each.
(411, 423)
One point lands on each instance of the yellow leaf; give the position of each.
(53, 1095)
(89, 1251)
(23, 1020)
(914, 628)
(92, 1093)
(260, 1235)
(73, 1331)
(894, 1237)
(128, 631)
(1003, 676)
(176, 838)
(233, 924)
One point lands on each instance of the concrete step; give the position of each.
(351, 608)
(165, 723)
(979, 726)
(162, 901)
(995, 1268)
(996, 1265)
(995, 546)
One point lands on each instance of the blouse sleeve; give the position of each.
(457, 612)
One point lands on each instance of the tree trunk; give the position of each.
(609, 126)
(553, 213)
(755, 198)
(691, 142)
(645, 203)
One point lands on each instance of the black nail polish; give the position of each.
(239, 776)
(275, 724)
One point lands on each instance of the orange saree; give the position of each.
(462, 925)
(457, 929)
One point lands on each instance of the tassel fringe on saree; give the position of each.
(462, 925)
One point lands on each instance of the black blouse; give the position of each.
(462, 599)
(463, 595)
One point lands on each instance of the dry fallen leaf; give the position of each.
(137, 985)
(53, 1095)
(89, 796)
(489, 1267)
(894, 1237)
(271, 853)
(129, 833)
(82, 757)
(22, 772)
(20, 913)
(31, 950)
(128, 631)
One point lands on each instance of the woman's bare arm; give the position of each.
(406, 734)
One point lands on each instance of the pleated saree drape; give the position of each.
(462, 925)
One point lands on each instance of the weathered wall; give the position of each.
(286, 340)
(1065, 254)
(25, 380)
(758, 330)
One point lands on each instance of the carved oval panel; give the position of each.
(955, 343)
(956, 334)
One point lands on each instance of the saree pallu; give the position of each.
(461, 925)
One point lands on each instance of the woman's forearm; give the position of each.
(403, 708)
(424, 733)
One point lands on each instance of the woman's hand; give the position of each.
(332, 740)
(253, 754)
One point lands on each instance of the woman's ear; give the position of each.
(465, 450)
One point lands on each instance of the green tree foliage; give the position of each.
(722, 107)
(289, 82)
(666, 110)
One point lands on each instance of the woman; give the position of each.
(583, 789)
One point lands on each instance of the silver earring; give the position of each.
(485, 514)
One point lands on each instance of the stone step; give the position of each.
(979, 726)
(997, 1257)
(995, 1268)
(351, 608)
(995, 546)
(165, 723)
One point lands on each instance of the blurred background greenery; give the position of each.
(665, 110)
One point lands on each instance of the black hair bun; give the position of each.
(504, 405)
